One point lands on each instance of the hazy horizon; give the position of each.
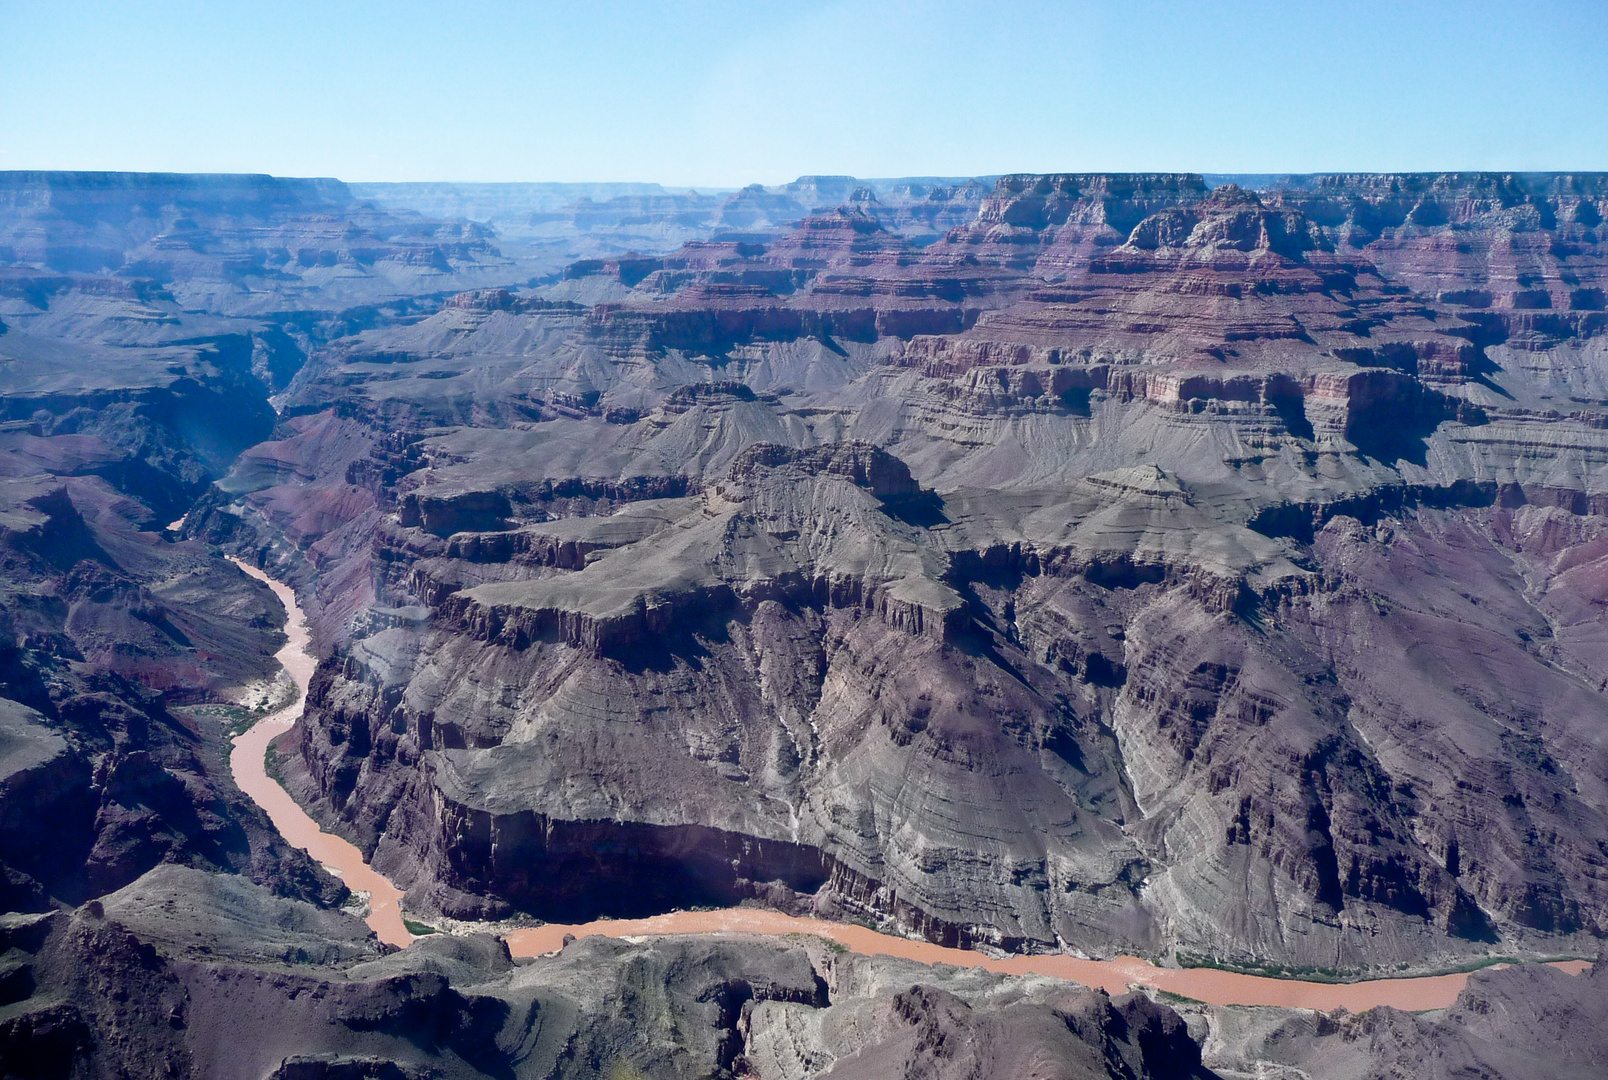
(719, 94)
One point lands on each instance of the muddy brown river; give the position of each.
(246, 762)
(1116, 976)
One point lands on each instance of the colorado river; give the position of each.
(247, 764)
(385, 912)
(1203, 984)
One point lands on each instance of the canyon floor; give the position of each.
(1062, 565)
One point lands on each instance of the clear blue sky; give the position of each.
(725, 93)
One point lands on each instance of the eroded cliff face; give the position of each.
(111, 626)
(1114, 563)
(147, 321)
(1136, 567)
(215, 240)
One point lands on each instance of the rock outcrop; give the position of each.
(286, 991)
(1095, 560)
(1108, 563)
(283, 989)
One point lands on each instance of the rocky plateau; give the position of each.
(1208, 571)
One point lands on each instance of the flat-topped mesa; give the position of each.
(686, 209)
(216, 192)
(844, 236)
(609, 622)
(1117, 199)
(1431, 199)
(1228, 221)
(684, 398)
(819, 189)
(489, 300)
(566, 543)
(1512, 241)
(864, 464)
(754, 208)
(1022, 384)
(1052, 223)
(603, 620)
(629, 268)
(925, 214)
(446, 512)
(813, 526)
(206, 236)
(1333, 405)
(733, 262)
(711, 319)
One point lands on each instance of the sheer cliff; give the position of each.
(1136, 566)
(1101, 563)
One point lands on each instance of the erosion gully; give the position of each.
(1115, 976)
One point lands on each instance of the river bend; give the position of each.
(385, 911)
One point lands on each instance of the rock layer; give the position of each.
(1129, 592)
(1067, 563)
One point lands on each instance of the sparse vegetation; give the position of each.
(1268, 968)
(800, 938)
(238, 719)
(1272, 970)
(270, 765)
(1177, 999)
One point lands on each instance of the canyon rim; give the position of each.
(1200, 568)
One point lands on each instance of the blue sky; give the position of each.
(725, 93)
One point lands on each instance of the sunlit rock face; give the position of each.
(1137, 565)
(1118, 563)
(1115, 561)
